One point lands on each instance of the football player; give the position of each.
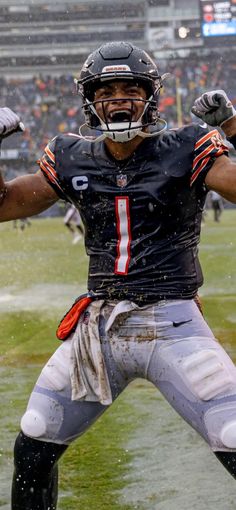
(140, 190)
(72, 222)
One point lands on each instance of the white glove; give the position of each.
(214, 108)
(9, 122)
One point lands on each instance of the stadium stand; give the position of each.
(55, 35)
(42, 47)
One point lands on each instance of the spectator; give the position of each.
(73, 222)
(217, 205)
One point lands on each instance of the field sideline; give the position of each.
(41, 273)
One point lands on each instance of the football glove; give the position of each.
(9, 122)
(214, 108)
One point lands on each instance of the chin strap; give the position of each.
(126, 135)
(163, 122)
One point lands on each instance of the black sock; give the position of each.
(35, 478)
(228, 459)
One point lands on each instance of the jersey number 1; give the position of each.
(124, 235)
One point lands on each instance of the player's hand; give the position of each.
(214, 108)
(9, 122)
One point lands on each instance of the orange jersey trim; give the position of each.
(44, 169)
(50, 175)
(204, 163)
(204, 153)
(197, 172)
(50, 154)
(206, 137)
(48, 166)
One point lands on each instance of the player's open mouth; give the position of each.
(120, 116)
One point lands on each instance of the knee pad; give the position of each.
(33, 424)
(43, 417)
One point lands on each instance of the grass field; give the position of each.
(41, 273)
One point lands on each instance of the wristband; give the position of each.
(232, 140)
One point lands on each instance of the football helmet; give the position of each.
(114, 61)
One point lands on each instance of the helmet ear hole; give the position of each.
(92, 120)
(89, 91)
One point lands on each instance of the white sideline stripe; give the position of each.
(7, 297)
(43, 297)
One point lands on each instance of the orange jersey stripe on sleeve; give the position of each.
(206, 137)
(48, 166)
(202, 155)
(203, 164)
(209, 146)
(47, 171)
(199, 170)
(50, 154)
(51, 176)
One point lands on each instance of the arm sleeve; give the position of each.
(47, 166)
(208, 147)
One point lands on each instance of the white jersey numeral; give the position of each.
(124, 235)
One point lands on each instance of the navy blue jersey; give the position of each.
(142, 216)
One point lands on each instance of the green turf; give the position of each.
(218, 258)
(42, 253)
(94, 468)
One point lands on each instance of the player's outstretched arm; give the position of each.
(215, 109)
(24, 196)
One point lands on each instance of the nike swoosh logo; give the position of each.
(177, 324)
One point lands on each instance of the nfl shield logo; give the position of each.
(121, 180)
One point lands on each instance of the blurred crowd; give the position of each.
(49, 104)
(191, 77)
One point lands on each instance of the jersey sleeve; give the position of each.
(208, 147)
(47, 166)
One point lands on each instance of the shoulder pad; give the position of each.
(191, 132)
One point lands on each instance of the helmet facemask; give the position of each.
(122, 124)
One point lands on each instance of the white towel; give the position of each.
(88, 372)
(89, 379)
